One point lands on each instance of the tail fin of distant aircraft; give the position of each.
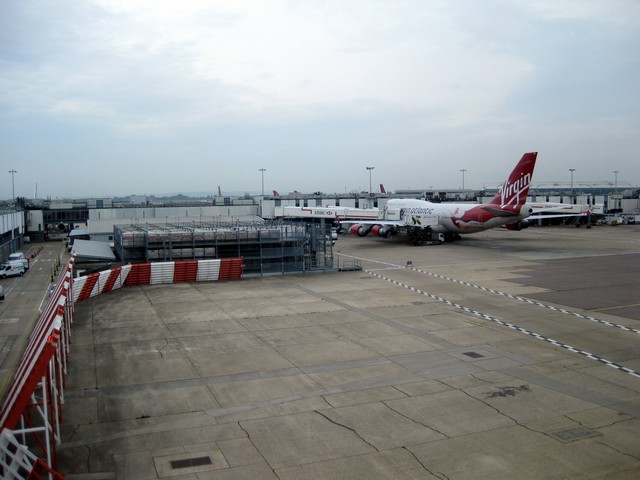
(275, 193)
(382, 190)
(512, 195)
(219, 191)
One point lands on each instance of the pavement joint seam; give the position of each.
(387, 321)
(509, 325)
(384, 402)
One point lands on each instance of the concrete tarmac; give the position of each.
(503, 355)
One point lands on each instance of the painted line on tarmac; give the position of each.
(511, 296)
(529, 301)
(493, 319)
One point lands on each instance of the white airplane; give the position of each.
(425, 221)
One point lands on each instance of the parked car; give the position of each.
(1, 293)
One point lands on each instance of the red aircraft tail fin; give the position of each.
(382, 189)
(513, 193)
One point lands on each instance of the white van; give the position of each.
(19, 257)
(11, 269)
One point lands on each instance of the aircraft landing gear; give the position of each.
(422, 236)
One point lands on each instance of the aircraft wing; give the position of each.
(541, 216)
(554, 206)
(554, 209)
(390, 223)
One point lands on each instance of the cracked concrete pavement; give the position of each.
(466, 366)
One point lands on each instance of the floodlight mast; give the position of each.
(572, 170)
(463, 170)
(370, 169)
(262, 170)
(13, 188)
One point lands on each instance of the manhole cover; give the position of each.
(573, 434)
(191, 462)
(473, 354)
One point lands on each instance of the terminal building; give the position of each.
(104, 219)
(12, 231)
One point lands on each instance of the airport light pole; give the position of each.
(463, 170)
(370, 169)
(572, 170)
(615, 187)
(262, 170)
(13, 188)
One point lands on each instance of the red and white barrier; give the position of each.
(185, 271)
(97, 283)
(156, 273)
(33, 404)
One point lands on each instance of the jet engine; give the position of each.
(381, 231)
(359, 230)
(517, 226)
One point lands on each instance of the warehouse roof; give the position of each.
(91, 250)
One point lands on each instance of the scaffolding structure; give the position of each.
(267, 249)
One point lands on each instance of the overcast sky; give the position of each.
(106, 98)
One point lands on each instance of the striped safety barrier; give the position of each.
(96, 283)
(156, 273)
(184, 271)
(33, 404)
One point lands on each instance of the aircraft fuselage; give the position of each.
(459, 218)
